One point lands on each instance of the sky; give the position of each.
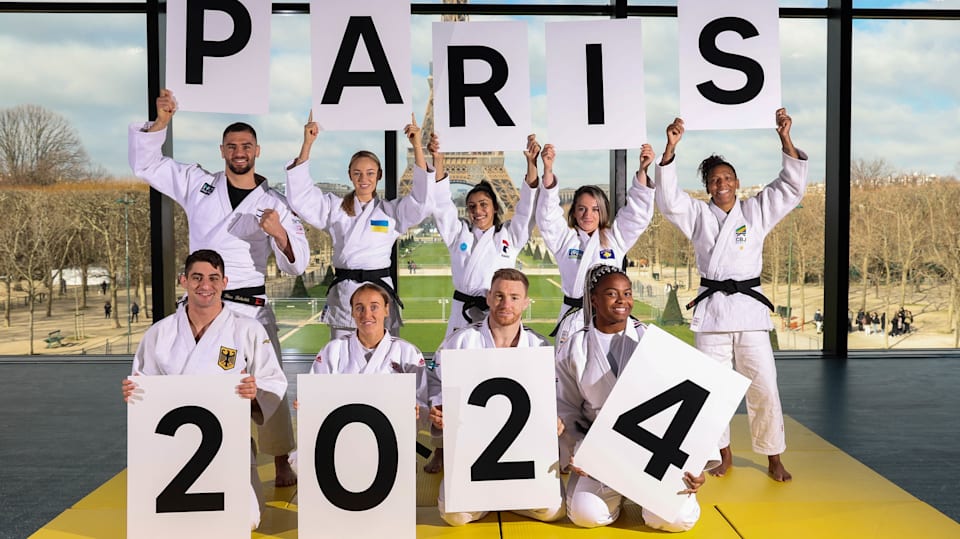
(92, 70)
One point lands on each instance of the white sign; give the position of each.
(218, 58)
(361, 64)
(357, 437)
(595, 98)
(729, 63)
(664, 417)
(188, 458)
(481, 85)
(500, 429)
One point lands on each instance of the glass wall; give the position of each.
(78, 231)
(76, 264)
(904, 271)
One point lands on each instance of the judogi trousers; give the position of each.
(750, 354)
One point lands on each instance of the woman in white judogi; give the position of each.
(173, 347)
(731, 322)
(587, 368)
(363, 226)
(586, 236)
(371, 349)
(484, 244)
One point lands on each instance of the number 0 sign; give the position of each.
(188, 458)
(357, 434)
(664, 417)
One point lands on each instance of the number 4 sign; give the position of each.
(664, 417)
(188, 458)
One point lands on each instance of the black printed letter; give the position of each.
(749, 66)
(341, 76)
(486, 91)
(198, 48)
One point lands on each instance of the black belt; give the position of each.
(247, 296)
(470, 302)
(728, 287)
(575, 304)
(376, 276)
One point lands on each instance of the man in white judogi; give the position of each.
(501, 328)
(237, 213)
(731, 322)
(192, 340)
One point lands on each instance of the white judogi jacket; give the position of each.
(168, 348)
(475, 255)
(234, 233)
(231, 344)
(393, 355)
(576, 251)
(585, 379)
(362, 242)
(730, 245)
(474, 336)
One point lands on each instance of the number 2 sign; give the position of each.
(664, 417)
(500, 429)
(188, 457)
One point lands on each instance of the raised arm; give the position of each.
(550, 218)
(676, 206)
(442, 208)
(636, 215)
(782, 195)
(414, 208)
(145, 153)
(307, 200)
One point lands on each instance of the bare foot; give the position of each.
(436, 462)
(726, 462)
(285, 475)
(776, 470)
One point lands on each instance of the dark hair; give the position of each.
(375, 288)
(604, 204)
(347, 204)
(510, 274)
(596, 274)
(204, 255)
(240, 127)
(710, 163)
(487, 189)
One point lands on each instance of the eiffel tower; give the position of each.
(466, 168)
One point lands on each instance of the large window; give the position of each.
(77, 229)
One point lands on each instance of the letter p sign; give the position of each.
(218, 55)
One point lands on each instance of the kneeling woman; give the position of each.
(587, 368)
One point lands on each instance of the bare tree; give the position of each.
(39, 147)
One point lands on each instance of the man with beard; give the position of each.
(501, 328)
(236, 212)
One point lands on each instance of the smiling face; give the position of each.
(586, 211)
(507, 300)
(364, 174)
(722, 184)
(481, 210)
(240, 151)
(204, 284)
(369, 313)
(612, 301)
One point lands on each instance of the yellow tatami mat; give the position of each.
(832, 496)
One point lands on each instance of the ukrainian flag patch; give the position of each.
(380, 225)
